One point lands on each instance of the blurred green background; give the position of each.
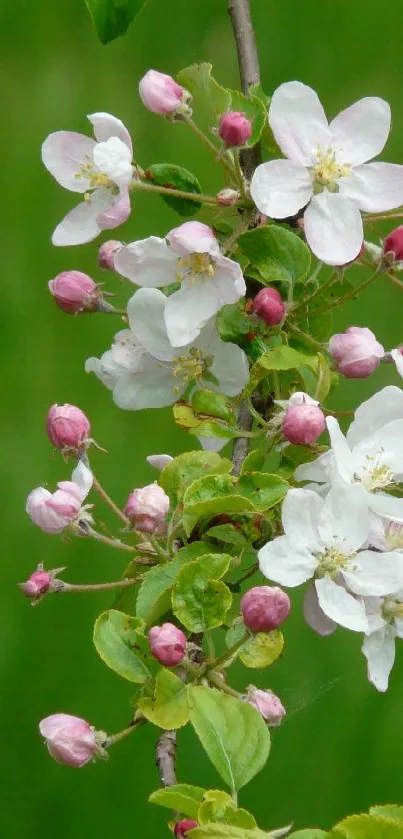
(341, 746)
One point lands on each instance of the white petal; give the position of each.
(379, 650)
(374, 187)
(341, 450)
(159, 461)
(375, 574)
(298, 122)
(398, 359)
(344, 520)
(387, 440)
(81, 224)
(386, 405)
(360, 132)
(386, 505)
(148, 263)
(314, 615)
(106, 126)
(116, 213)
(229, 277)
(230, 367)
(124, 356)
(286, 563)
(333, 228)
(63, 153)
(316, 470)
(113, 158)
(300, 514)
(280, 188)
(190, 308)
(82, 476)
(340, 606)
(149, 388)
(146, 312)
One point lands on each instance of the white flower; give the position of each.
(397, 356)
(101, 170)
(189, 255)
(323, 539)
(385, 623)
(145, 371)
(324, 170)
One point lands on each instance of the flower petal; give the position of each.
(106, 126)
(148, 263)
(229, 363)
(333, 228)
(146, 312)
(386, 505)
(63, 154)
(386, 405)
(341, 450)
(379, 650)
(374, 187)
(286, 562)
(397, 356)
(192, 306)
(298, 122)
(374, 574)
(359, 133)
(152, 387)
(314, 615)
(344, 519)
(113, 158)
(280, 188)
(300, 515)
(117, 212)
(81, 224)
(340, 606)
(83, 477)
(316, 470)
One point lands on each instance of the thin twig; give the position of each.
(165, 754)
(98, 586)
(102, 492)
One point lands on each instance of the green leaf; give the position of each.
(168, 708)
(257, 90)
(202, 426)
(122, 646)
(213, 404)
(199, 599)
(366, 827)
(254, 110)
(262, 489)
(324, 379)
(220, 830)
(280, 255)
(309, 833)
(181, 797)
(219, 806)
(227, 533)
(211, 496)
(389, 811)
(254, 460)
(154, 599)
(262, 650)
(283, 357)
(112, 18)
(184, 469)
(234, 325)
(207, 93)
(175, 177)
(232, 733)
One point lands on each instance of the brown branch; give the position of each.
(165, 753)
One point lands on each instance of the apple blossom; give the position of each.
(147, 508)
(227, 197)
(268, 704)
(269, 306)
(190, 255)
(265, 608)
(356, 352)
(235, 129)
(393, 246)
(101, 169)
(304, 420)
(397, 356)
(167, 644)
(326, 170)
(385, 623)
(67, 427)
(53, 512)
(145, 371)
(181, 828)
(74, 292)
(161, 94)
(326, 539)
(106, 254)
(37, 584)
(70, 740)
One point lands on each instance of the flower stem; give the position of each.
(219, 683)
(102, 492)
(222, 659)
(109, 540)
(352, 293)
(114, 738)
(67, 587)
(175, 193)
(210, 145)
(163, 555)
(239, 177)
(299, 333)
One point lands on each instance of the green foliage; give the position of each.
(175, 177)
(121, 644)
(112, 18)
(262, 489)
(283, 357)
(186, 468)
(202, 426)
(168, 708)
(181, 797)
(154, 599)
(218, 806)
(262, 649)
(210, 403)
(207, 93)
(389, 811)
(234, 325)
(199, 599)
(324, 379)
(232, 733)
(253, 461)
(219, 830)
(366, 827)
(254, 110)
(308, 833)
(278, 254)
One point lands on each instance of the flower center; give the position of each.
(332, 561)
(394, 535)
(191, 367)
(92, 174)
(392, 609)
(327, 170)
(374, 474)
(197, 263)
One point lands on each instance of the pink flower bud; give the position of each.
(70, 740)
(192, 237)
(356, 351)
(181, 828)
(268, 705)
(264, 608)
(393, 244)
(227, 197)
(161, 94)
(37, 584)
(167, 644)
(53, 512)
(304, 421)
(74, 292)
(67, 427)
(269, 306)
(106, 254)
(147, 508)
(235, 129)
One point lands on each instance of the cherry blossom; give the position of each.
(326, 170)
(101, 169)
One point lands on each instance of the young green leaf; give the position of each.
(184, 469)
(232, 733)
(283, 357)
(308, 833)
(168, 708)
(153, 599)
(218, 806)
(366, 827)
(262, 489)
(175, 177)
(211, 496)
(254, 110)
(208, 95)
(279, 255)
(220, 830)
(181, 797)
(112, 18)
(122, 646)
(262, 650)
(199, 599)
(389, 811)
(253, 461)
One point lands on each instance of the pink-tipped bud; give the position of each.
(268, 705)
(167, 644)
(227, 197)
(356, 352)
(161, 94)
(70, 740)
(269, 306)
(74, 292)
(235, 129)
(181, 828)
(264, 608)
(393, 245)
(147, 508)
(192, 237)
(37, 584)
(304, 420)
(67, 427)
(106, 254)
